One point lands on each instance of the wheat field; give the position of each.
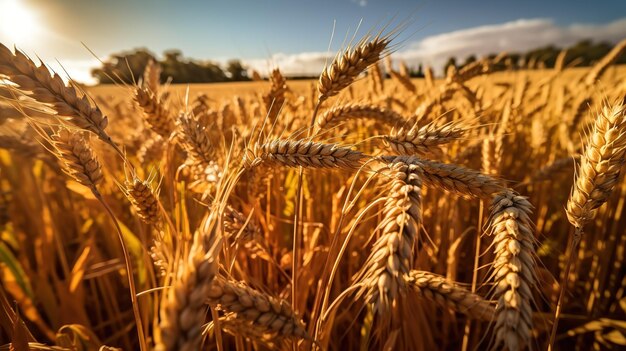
(362, 211)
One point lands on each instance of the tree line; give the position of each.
(128, 66)
(582, 54)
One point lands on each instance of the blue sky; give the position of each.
(290, 32)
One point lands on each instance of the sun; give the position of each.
(18, 24)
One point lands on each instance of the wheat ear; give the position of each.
(154, 111)
(348, 111)
(391, 257)
(275, 98)
(144, 200)
(77, 157)
(513, 269)
(256, 334)
(239, 231)
(600, 165)
(404, 80)
(448, 294)
(424, 140)
(37, 82)
(453, 178)
(152, 76)
(548, 171)
(294, 153)
(195, 139)
(183, 308)
(429, 77)
(347, 66)
(260, 309)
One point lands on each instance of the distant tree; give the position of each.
(124, 66)
(588, 53)
(419, 73)
(450, 64)
(127, 65)
(547, 55)
(468, 60)
(236, 71)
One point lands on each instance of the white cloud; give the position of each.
(516, 36)
(78, 70)
(303, 64)
(361, 3)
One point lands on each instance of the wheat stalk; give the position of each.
(598, 173)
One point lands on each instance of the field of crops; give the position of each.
(362, 211)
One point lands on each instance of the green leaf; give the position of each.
(133, 244)
(7, 257)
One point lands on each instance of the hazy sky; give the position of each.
(294, 34)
